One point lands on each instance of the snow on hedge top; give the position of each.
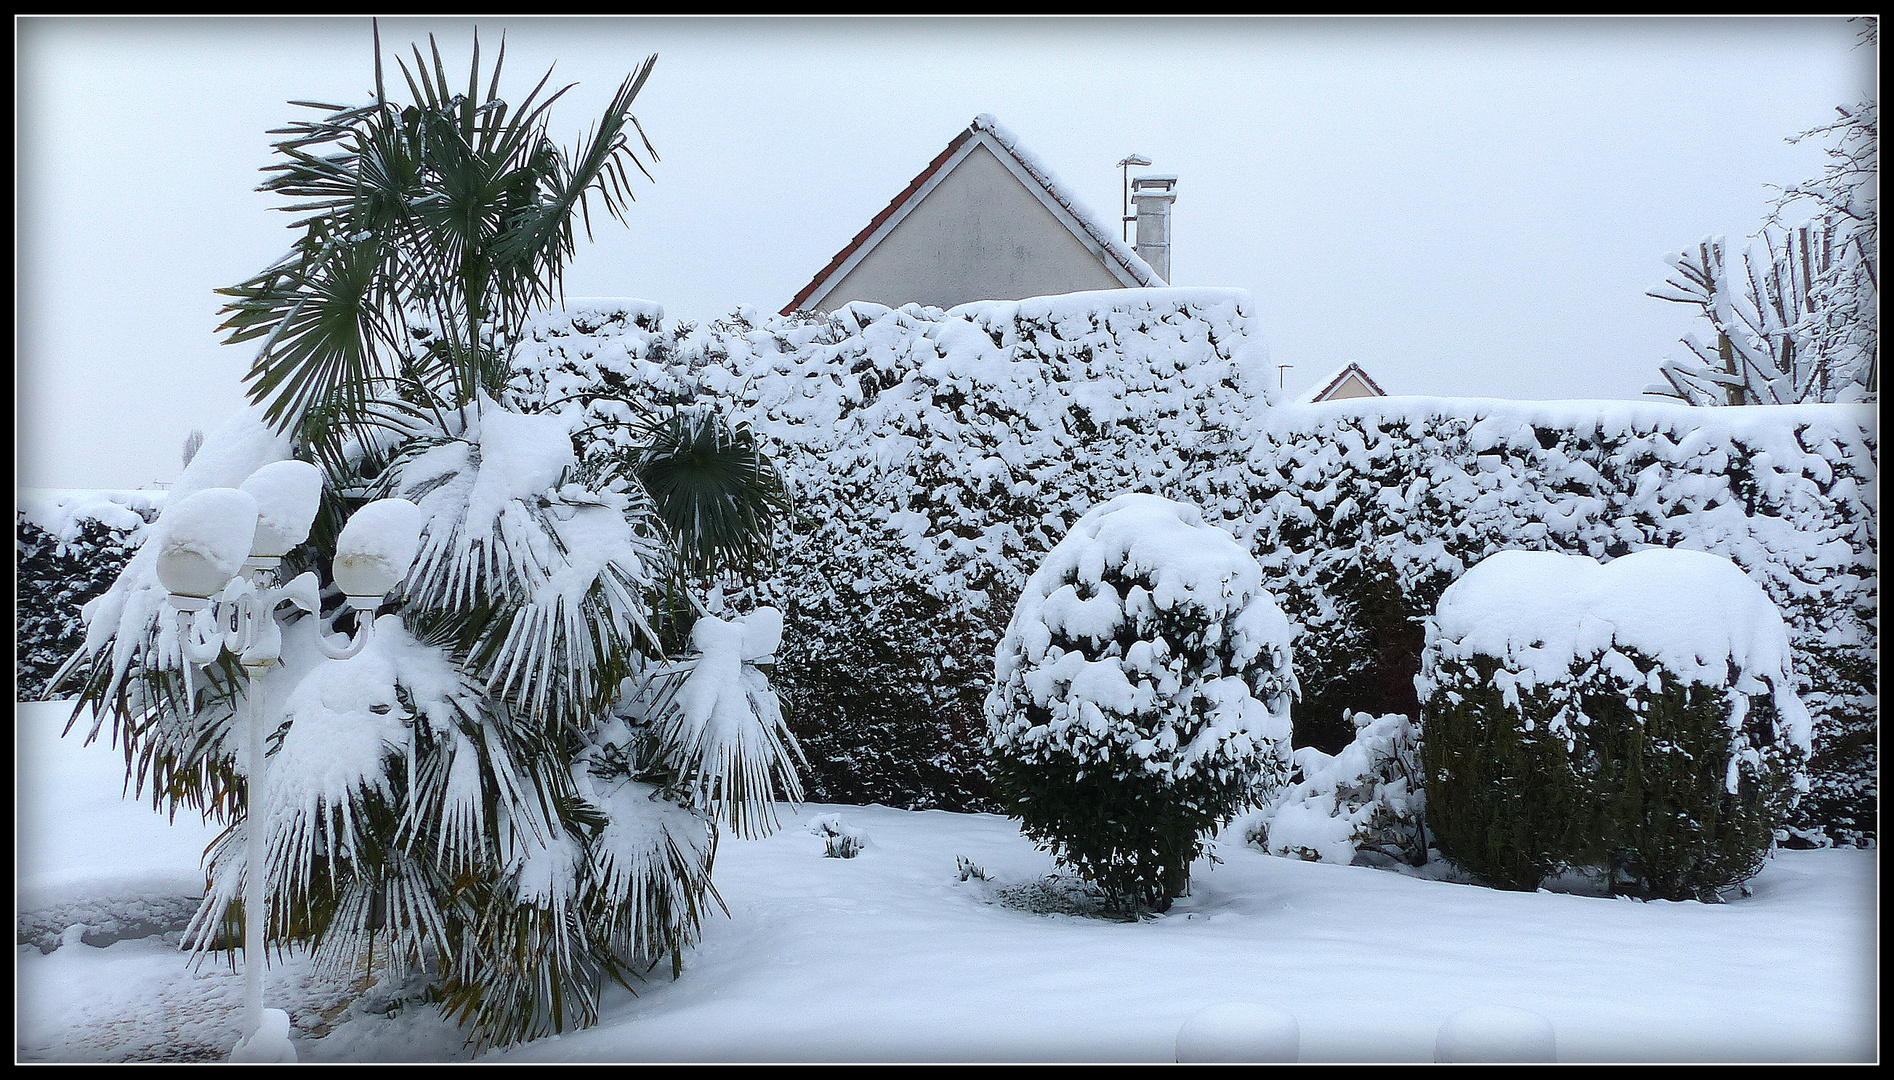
(63, 512)
(1696, 614)
(1003, 397)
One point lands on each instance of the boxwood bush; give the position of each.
(1635, 718)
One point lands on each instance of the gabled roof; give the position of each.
(1321, 390)
(1117, 259)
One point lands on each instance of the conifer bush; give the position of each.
(1141, 696)
(1634, 718)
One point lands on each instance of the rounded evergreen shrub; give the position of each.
(1635, 717)
(1141, 696)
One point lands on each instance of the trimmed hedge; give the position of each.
(1634, 717)
(67, 553)
(936, 456)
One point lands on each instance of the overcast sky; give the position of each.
(1464, 207)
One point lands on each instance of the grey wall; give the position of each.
(979, 235)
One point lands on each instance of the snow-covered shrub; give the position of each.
(840, 840)
(1141, 696)
(1363, 512)
(1637, 716)
(1368, 797)
(1240, 1031)
(70, 546)
(968, 870)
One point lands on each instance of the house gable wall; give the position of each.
(978, 235)
(1350, 387)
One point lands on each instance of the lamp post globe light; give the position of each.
(219, 551)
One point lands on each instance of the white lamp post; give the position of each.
(204, 542)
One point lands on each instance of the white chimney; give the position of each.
(1153, 195)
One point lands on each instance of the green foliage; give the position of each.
(715, 490)
(443, 222)
(1666, 821)
(1604, 773)
(1502, 796)
(53, 581)
(1132, 835)
(881, 720)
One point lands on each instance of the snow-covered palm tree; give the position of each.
(518, 784)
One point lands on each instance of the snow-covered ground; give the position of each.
(890, 956)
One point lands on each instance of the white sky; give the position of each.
(1465, 207)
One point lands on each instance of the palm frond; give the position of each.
(717, 493)
(455, 205)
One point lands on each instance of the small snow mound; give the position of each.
(1495, 1033)
(270, 1044)
(1240, 1031)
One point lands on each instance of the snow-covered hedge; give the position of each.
(1363, 512)
(1141, 695)
(1637, 715)
(70, 547)
(936, 456)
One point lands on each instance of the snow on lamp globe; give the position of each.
(287, 495)
(203, 541)
(374, 551)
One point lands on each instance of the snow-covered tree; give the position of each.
(1797, 320)
(519, 784)
(1794, 321)
(1141, 696)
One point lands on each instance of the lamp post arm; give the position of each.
(305, 592)
(199, 636)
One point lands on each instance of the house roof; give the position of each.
(1123, 263)
(1321, 390)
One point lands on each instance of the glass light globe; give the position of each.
(203, 540)
(375, 549)
(287, 494)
